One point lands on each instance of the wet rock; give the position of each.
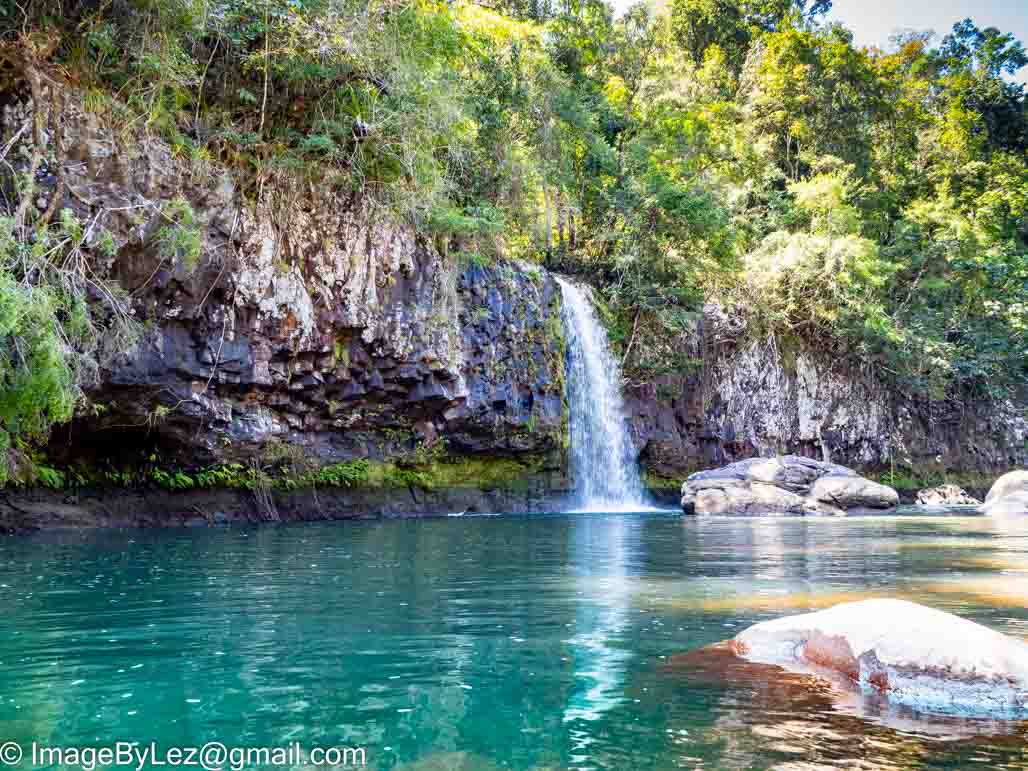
(1008, 496)
(786, 485)
(906, 653)
(820, 710)
(946, 495)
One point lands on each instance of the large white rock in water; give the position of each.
(912, 655)
(1008, 496)
(946, 495)
(789, 485)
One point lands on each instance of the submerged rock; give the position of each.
(909, 654)
(1008, 496)
(946, 495)
(784, 485)
(449, 761)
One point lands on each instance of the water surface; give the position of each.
(541, 642)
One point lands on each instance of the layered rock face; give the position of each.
(909, 654)
(762, 397)
(788, 485)
(1008, 496)
(311, 323)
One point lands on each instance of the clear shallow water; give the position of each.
(540, 642)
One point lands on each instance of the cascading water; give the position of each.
(603, 463)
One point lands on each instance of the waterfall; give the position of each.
(603, 463)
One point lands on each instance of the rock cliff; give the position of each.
(311, 324)
(310, 319)
(767, 396)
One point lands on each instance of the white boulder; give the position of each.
(1008, 496)
(785, 485)
(909, 654)
(946, 495)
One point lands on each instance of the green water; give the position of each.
(542, 642)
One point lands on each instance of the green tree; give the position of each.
(732, 25)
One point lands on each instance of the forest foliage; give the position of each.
(744, 152)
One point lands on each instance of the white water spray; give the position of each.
(603, 462)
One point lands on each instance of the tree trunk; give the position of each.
(561, 209)
(549, 220)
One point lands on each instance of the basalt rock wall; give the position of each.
(311, 323)
(766, 396)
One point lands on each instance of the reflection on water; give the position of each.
(513, 642)
(598, 656)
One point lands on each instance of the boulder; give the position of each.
(906, 653)
(755, 498)
(785, 485)
(946, 495)
(853, 492)
(1008, 496)
(1008, 506)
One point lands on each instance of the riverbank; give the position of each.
(26, 510)
(29, 510)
